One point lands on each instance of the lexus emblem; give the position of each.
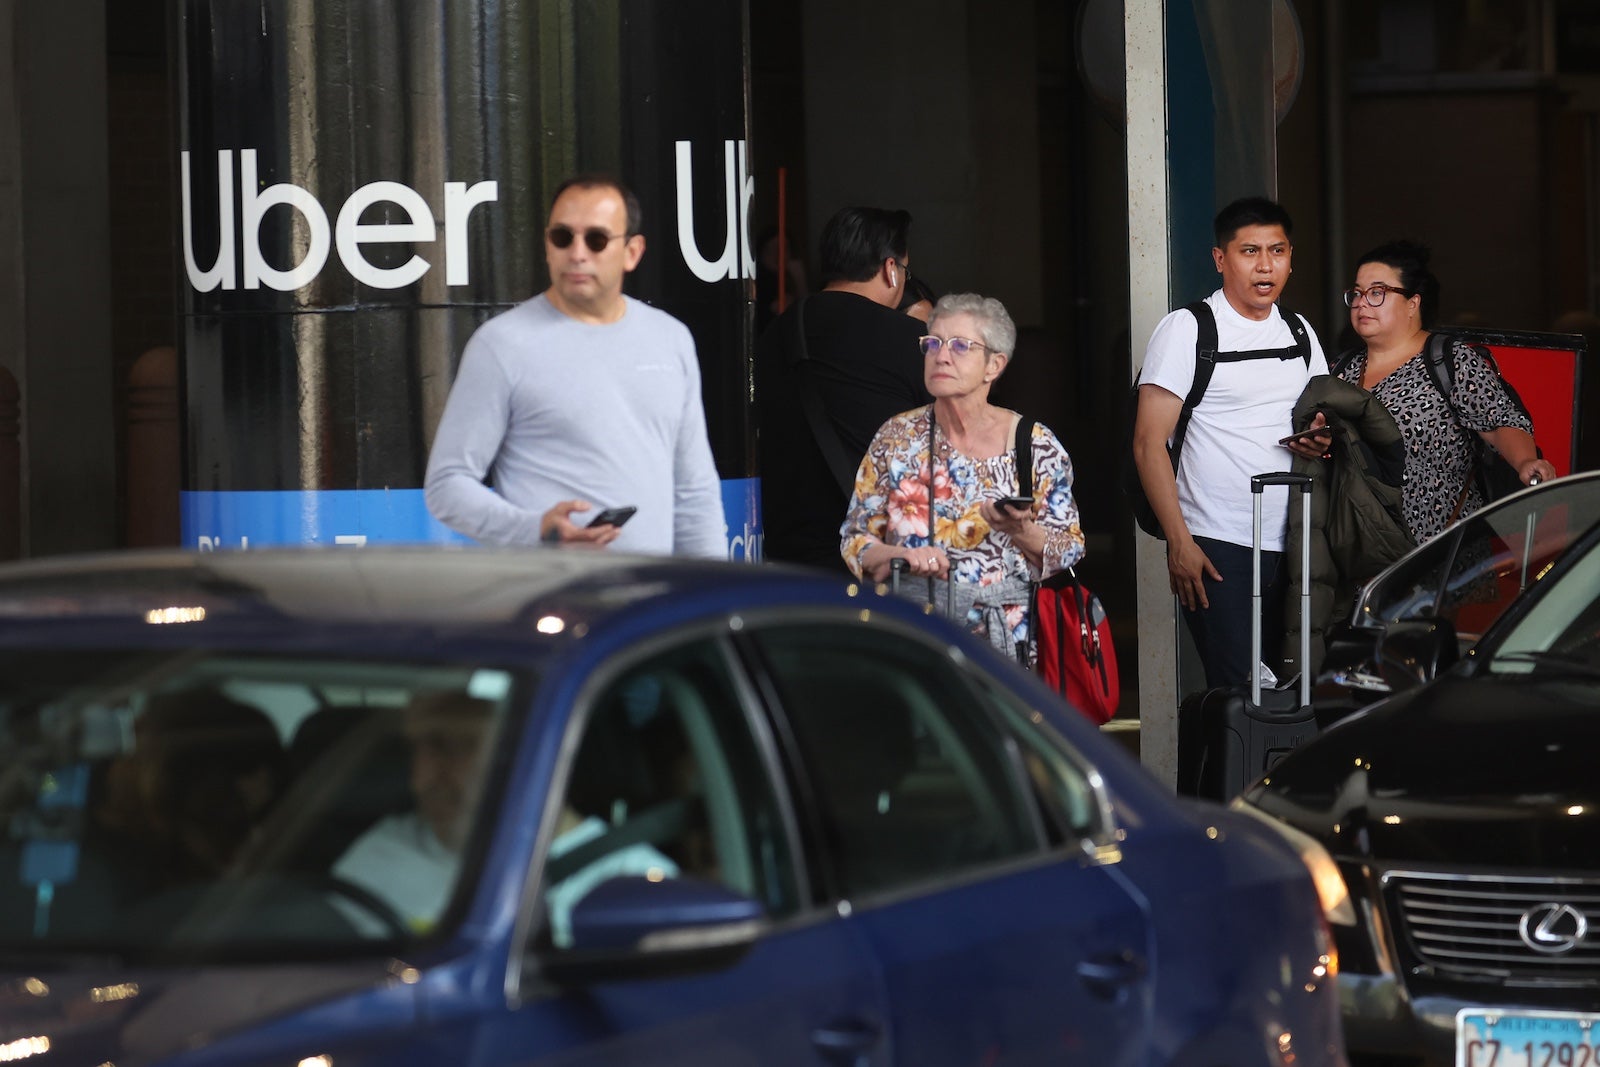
(1553, 928)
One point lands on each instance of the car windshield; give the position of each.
(218, 806)
(1470, 573)
(1560, 634)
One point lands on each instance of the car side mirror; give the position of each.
(1349, 662)
(1415, 651)
(635, 927)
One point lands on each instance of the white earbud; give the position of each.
(894, 279)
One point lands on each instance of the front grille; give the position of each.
(1471, 927)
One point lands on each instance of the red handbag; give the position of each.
(1072, 640)
(1070, 632)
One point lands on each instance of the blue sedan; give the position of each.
(423, 806)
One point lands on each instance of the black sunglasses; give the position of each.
(596, 239)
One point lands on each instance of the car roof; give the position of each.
(435, 586)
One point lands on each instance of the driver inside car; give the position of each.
(409, 861)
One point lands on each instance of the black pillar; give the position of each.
(364, 183)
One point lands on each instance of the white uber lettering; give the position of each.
(347, 236)
(253, 205)
(221, 271)
(738, 258)
(458, 204)
(351, 233)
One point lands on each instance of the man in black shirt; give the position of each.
(823, 392)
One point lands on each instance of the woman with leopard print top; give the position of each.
(1392, 307)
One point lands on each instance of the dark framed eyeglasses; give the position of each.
(958, 346)
(1375, 294)
(595, 239)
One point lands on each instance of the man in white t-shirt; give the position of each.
(1205, 508)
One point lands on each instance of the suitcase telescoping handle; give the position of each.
(1258, 484)
(898, 566)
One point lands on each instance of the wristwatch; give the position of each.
(551, 536)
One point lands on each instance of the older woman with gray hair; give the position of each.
(932, 487)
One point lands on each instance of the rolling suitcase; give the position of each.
(1229, 737)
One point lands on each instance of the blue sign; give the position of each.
(222, 520)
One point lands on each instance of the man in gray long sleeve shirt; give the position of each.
(581, 398)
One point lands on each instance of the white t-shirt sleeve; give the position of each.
(1169, 357)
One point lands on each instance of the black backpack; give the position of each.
(1494, 477)
(1206, 358)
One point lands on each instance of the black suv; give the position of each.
(1455, 825)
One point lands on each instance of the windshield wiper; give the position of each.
(1552, 662)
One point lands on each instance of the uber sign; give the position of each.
(348, 235)
(361, 186)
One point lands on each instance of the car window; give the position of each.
(913, 780)
(1471, 573)
(1409, 589)
(224, 805)
(1504, 552)
(1068, 802)
(668, 780)
(1561, 632)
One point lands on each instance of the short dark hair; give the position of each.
(1410, 260)
(605, 181)
(857, 240)
(1250, 211)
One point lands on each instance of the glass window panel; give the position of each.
(226, 805)
(914, 780)
(668, 780)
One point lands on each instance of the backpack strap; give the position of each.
(1302, 343)
(1439, 356)
(1347, 357)
(1022, 449)
(1022, 452)
(1205, 364)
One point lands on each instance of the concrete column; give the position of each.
(1149, 273)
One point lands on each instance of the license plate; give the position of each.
(1527, 1039)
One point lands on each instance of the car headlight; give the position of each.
(1331, 890)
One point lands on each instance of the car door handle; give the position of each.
(1106, 974)
(847, 1040)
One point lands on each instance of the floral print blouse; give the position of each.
(1439, 450)
(890, 506)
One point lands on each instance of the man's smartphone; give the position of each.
(1306, 435)
(613, 516)
(1019, 503)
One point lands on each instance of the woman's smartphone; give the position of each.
(1306, 435)
(613, 516)
(1019, 503)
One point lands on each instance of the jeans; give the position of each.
(1222, 631)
